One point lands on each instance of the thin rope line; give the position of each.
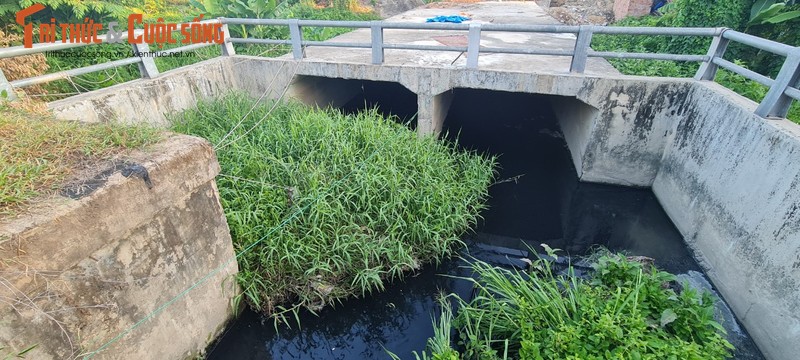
(274, 105)
(256, 103)
(223, 266)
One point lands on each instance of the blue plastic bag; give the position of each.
(448, 19)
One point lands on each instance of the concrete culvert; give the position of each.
(351, 96)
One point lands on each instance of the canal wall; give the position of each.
(727, 179)
(85, 270)
(730, 181)
(149, 100)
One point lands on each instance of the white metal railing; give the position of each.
(782, 90)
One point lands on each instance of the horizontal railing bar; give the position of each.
(550, 52)
(757, 42)
(636, 30)
(73, 72)
(648, 56)
(425, 47)
(185, 48)
(424, 26)
(37, 48)
(268, 22)
(337, 44)
(285, 22)
(752, 75)
(260, 41)
(484, 27)
(330, 23)
(530, 28)
(792, 93)
(43, 47)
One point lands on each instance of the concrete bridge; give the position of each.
(724, 168)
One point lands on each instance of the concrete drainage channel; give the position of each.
(696, 145)
(544, 204)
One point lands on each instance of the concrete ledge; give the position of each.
(80, 272)
(149, 100)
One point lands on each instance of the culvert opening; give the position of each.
(537, 198)
(352, 96)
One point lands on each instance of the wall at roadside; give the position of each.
(149, 100)
(79, 273)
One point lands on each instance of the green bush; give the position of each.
(624, 311)
(355, 199)
(734, 14)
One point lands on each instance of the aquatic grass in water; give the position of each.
(377, 199)
(623, 311)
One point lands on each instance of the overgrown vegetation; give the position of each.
(624, 310)
(323, 205)
(37, 152)
(764, 18)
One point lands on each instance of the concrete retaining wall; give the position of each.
(79, 273)
(730, 181)
(149, 100)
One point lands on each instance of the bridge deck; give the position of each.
(506, 12)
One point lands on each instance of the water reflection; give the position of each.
(398, 319)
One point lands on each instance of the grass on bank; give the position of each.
(356, 199)
(624, 310)
(37, 152)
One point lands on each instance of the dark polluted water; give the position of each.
(538, 200)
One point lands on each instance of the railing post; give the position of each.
(296, 36)
(581, 52)
(473, 45)
(776, 103)
(377, 42)
(6, 90)
(147, 67)
(227, 46)
(708, 69)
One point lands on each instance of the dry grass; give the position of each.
(22, 67)
(38, 153)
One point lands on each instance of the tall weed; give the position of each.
(623, 311)
(375, 200)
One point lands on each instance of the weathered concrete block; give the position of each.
(628, 134)
(80, 275)
(432, 112)
(149, 100)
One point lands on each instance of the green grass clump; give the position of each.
(356, 199)
(624, 311)
(37, 152)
